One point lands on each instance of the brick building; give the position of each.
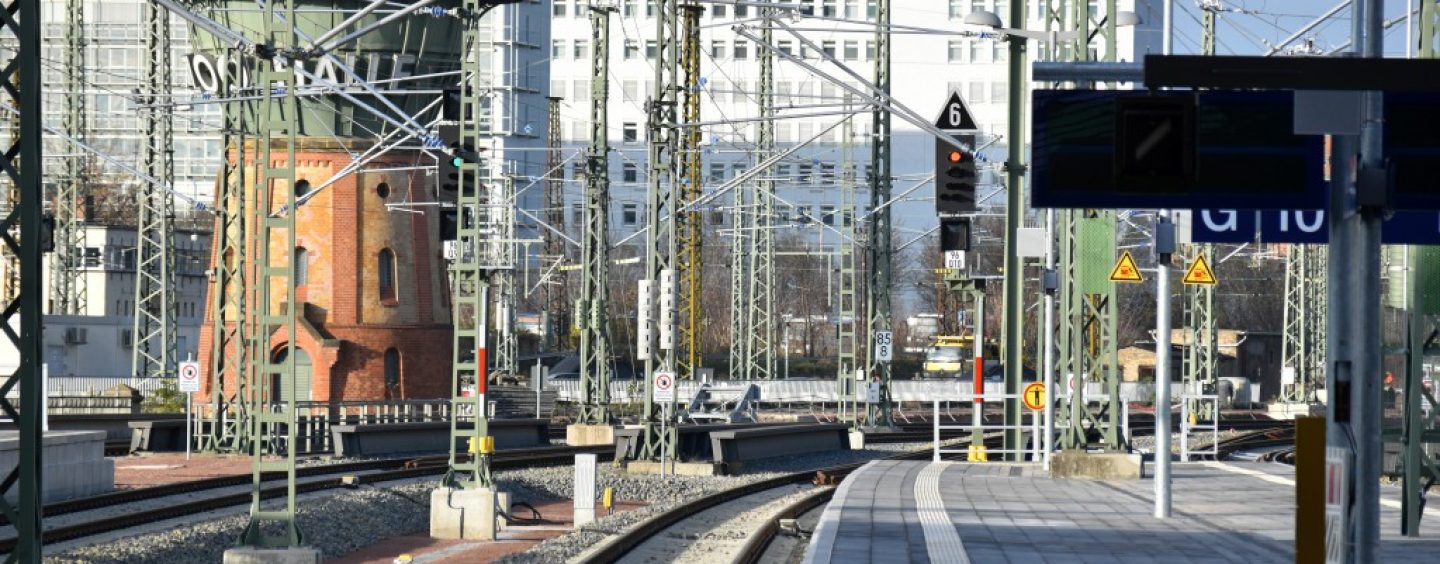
(376, 319)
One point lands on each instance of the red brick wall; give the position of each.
(342, 229)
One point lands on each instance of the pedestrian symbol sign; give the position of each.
(1200, 273)
(189, 377)
(664, 387)
(1126, 270)
(1034, 396)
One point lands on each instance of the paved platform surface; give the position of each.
(905, 511)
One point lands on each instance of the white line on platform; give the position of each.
(942, 541)
(1268, 477)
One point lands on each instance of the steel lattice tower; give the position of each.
(270, 392)
(760, 295)
(557, 304)
(690, 226)
(847, 308)
(594, 310)
(21, 162)
(1429, 40)
(154, 323)
(485, 259)
(878, 267)
(228, 319)
(658, 346)
(1088, 327)
(67, 282)
(1201, 361)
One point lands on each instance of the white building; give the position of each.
(92, 352)
(925, 68)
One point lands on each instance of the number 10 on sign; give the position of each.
(884, 346)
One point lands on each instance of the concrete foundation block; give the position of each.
(463, 514)
(502, 502)
(1095, 466)
(589, 435)
(1290, 410)
(675, 468)
(857, 440)
(251, 555)
(74, 464)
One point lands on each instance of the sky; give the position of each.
(1245, 26)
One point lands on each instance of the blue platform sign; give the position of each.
(1305, 227)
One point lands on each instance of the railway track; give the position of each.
(758, 541)
(391, 469)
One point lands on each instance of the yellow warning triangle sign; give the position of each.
(1125, 270)
(1200, 273)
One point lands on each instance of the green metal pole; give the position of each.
(23, 161)
(880, 251)
(1014, 210)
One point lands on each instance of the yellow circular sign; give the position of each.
(1034, 396)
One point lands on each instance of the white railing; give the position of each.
(1186, 427)
(1029, 420)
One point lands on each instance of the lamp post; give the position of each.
(1013, 339)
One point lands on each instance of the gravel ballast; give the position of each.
(340, 523)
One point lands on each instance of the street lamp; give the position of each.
(1015, 175)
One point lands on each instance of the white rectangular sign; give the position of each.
(884, 346)
(664, 387)
(955, 260)
(189, 376)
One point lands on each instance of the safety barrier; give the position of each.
(1030, 420)
(1188, 426)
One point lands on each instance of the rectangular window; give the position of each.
(998, 92)
(650, 48)
(557, 48)
(870, 9)
(387, 276)
(785, 46)
(582, 49)
(738, 168)
(630, 132)
(979, 53)
(717, 172)
(558, 9)
(582, 91)
(629, 172)
(852, 9)
(717, 217)
(827, 215)
(783, 132)
(577, 214)
(828, 47)
(742, 11)
(741, 50)
(717, 49)
(803, 176)
(827, 8)
(630, 214)
(852, 50)
(977, 93)
(1000, 51)
(827, 91)
(650, 8)
(955, 51)
(632, 49)
(557, 88)
(806, 130)
(629, 9)
(629, 89)
(957, 9)
(869, 50)
(717, 10)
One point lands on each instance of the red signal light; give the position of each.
(956, 156)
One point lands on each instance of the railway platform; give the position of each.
(890, 511)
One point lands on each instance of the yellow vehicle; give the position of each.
(950, 356)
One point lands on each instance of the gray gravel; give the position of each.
(339, 523)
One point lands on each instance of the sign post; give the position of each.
(189, 382)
